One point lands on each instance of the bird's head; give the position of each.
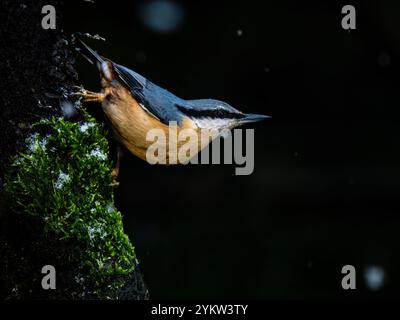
(213, 108)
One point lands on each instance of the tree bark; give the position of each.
(37, 69)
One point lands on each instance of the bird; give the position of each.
(134, 105)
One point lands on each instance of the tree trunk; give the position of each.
(37, 70)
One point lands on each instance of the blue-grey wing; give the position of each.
(157, 101)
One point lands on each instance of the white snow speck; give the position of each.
(42, 143)
(31, 141)
(19, 160)
(79, 279)
(110, 207)
(34, 141)
(98, 154)
(62, 179)
(91, 232)
(85, 126)
(97, 229)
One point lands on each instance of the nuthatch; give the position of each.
(134, 105)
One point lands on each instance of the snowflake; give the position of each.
(98, 154)
(42, 143)
(31, 141)
(110, 207)
(96, 230)
(34, 141)
(62, 179)
(79, 279)
(91, 232)
(85, 126)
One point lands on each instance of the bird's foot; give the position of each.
(114, 183)
(88, 96)
(114, 176)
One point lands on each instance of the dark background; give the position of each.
(325, 189)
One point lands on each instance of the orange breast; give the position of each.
(131, 124)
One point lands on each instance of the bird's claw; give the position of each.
(77, 90)
(114, 184)
(87, 96)
(114, 176)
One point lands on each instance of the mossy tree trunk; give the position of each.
(37, 69)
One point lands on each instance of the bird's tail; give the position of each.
(251, 117)
(92, 56)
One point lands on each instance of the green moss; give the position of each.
(63, 181)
